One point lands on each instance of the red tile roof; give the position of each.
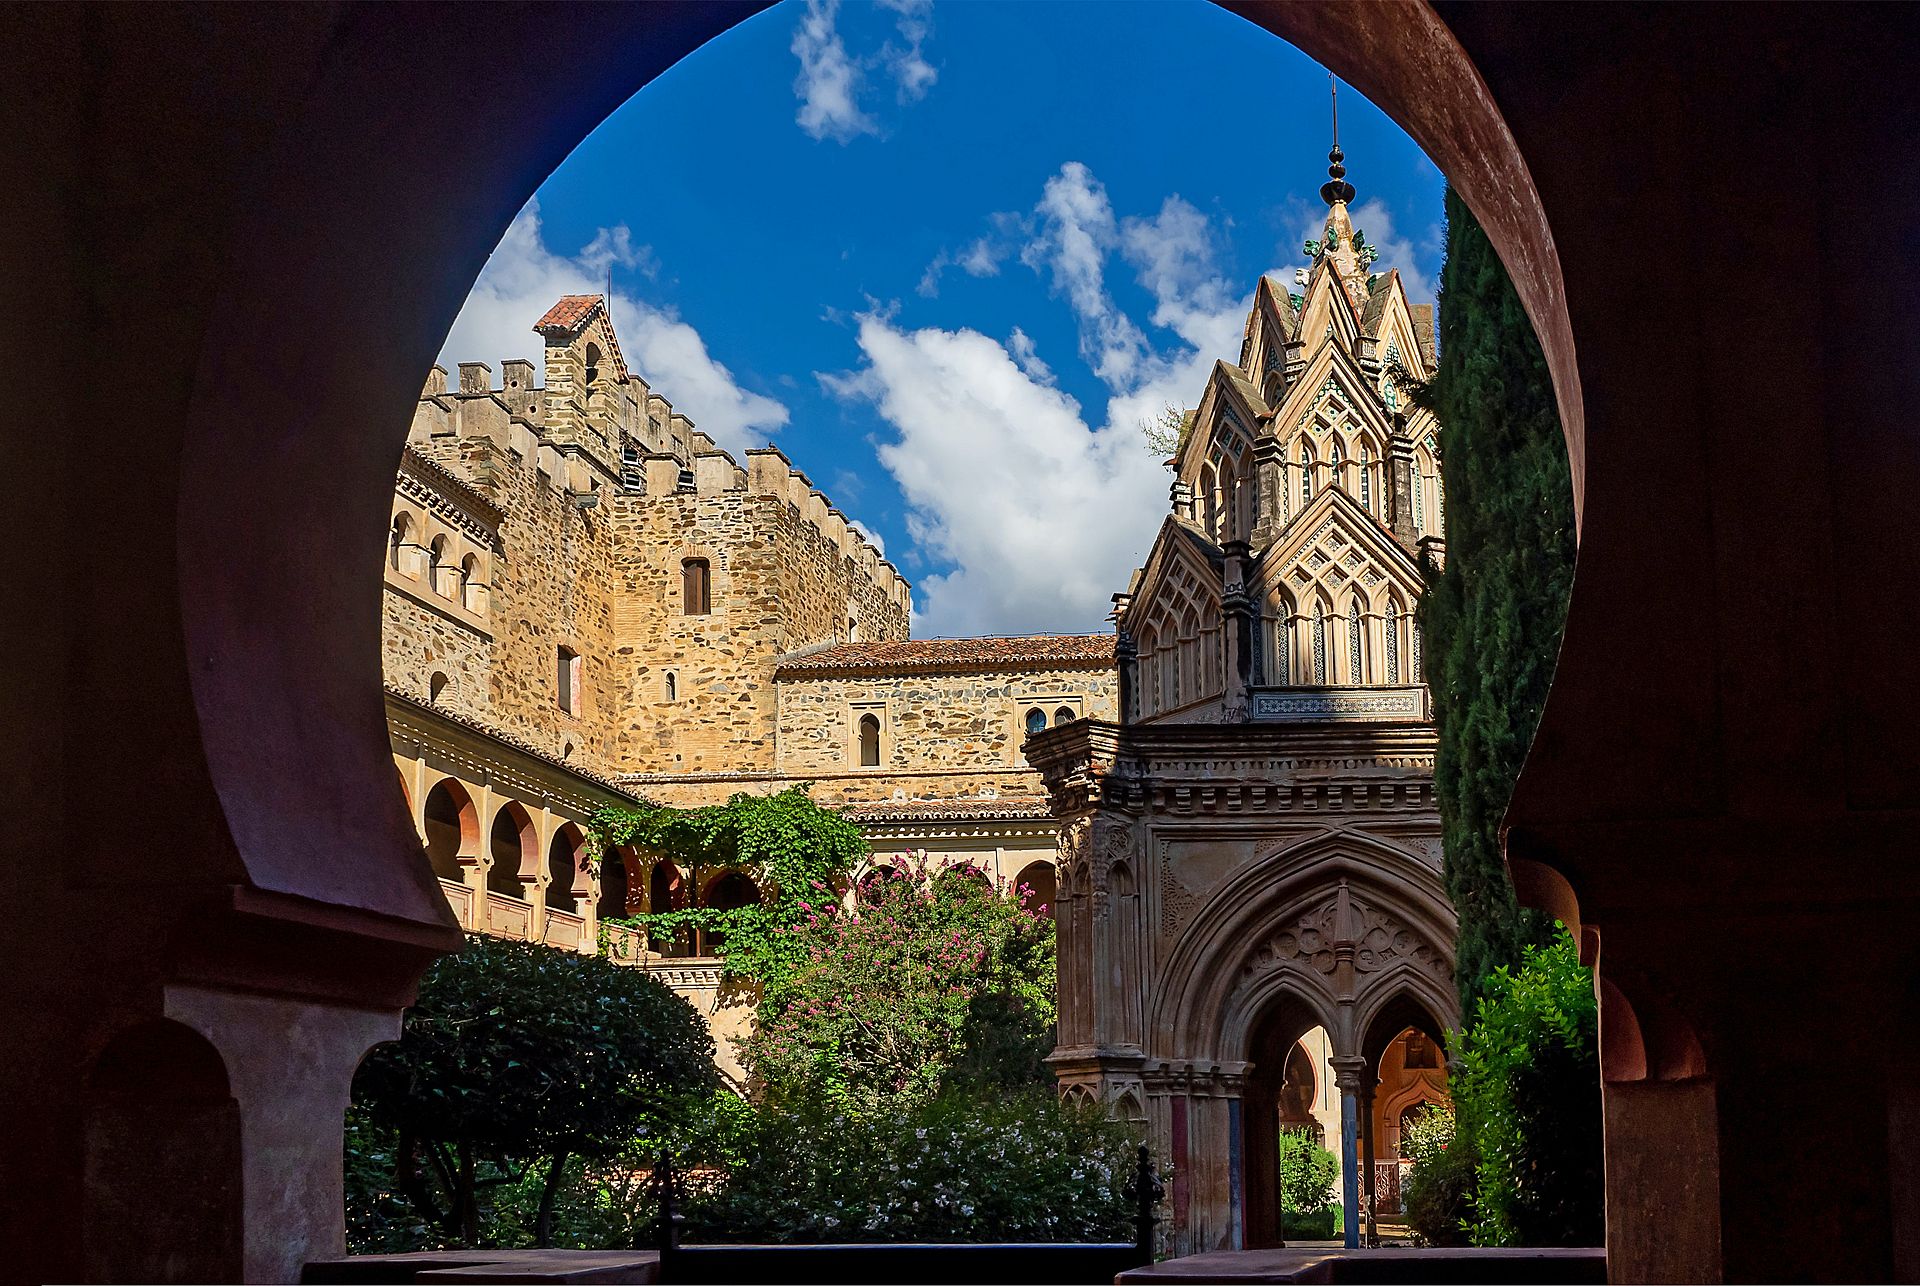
(573, 312)
(568, 313)
(1036, 651)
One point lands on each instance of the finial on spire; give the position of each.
(1336, 189)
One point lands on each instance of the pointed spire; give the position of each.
(1336, 190)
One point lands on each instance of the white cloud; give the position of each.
(832, 81)
(1041, 516)
(524, 278)
(1075, 231)
(828, 85)
(873, 537)
(1373, 218)
(911, 72)
(1021, 347)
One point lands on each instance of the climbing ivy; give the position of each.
(796, 851)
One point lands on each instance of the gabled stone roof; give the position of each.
(933, 655)
(1377, 302)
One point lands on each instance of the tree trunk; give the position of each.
(467, 1200)
(543, 1223)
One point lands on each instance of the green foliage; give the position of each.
(934, 981)
(1526, 1087)
(1307, 1173)
(1168, 431)
(956, 1167)
(515, 1054)
(1492, 620)
(1439, 1188)
(1324, 1224)
(796, 852)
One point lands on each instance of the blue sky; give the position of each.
(949, 256)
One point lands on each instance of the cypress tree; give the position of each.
(1492, 620)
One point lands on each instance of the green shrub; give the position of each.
(1324, 1224)
(1307, 1174)
(958, 1167)
(1439, 1187)
(515, 1058)
(1526, 1087)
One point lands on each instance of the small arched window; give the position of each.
(1282, 638)
(397, 540)
(1209, 500)
(1319, 643)
(1036, 721)
(436, 685)
(869, 741)
(696, 587)
(436, 559)
(1356, 652)
(1229, 505)
(593, 366)
(1393, 641)
(673, 686)
(1063, 715)
(469, 589)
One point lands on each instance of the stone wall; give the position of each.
(587, 528)
(787, 572)
(965, 724)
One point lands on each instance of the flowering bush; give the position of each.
(955, 1167)
(1439, 1190)
(934, 981)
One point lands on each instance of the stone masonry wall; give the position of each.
(779, 583)
(788, 571)
(931, 721)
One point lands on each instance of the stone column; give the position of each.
(1269, 467)
(1182, 496)
(290, 1064)
(1371, 1184)
(1349, 1073)
(1401, 482)
(1237, 630)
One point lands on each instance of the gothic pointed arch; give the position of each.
(1274, 923)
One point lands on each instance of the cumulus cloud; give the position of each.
(873, 537)
(1041, 516)
(524, 278)
(978, 258)
(1074, 231)
(1373, 218)
(832, 82)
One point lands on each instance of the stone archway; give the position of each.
(257, 677)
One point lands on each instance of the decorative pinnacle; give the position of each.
(1336, 189)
